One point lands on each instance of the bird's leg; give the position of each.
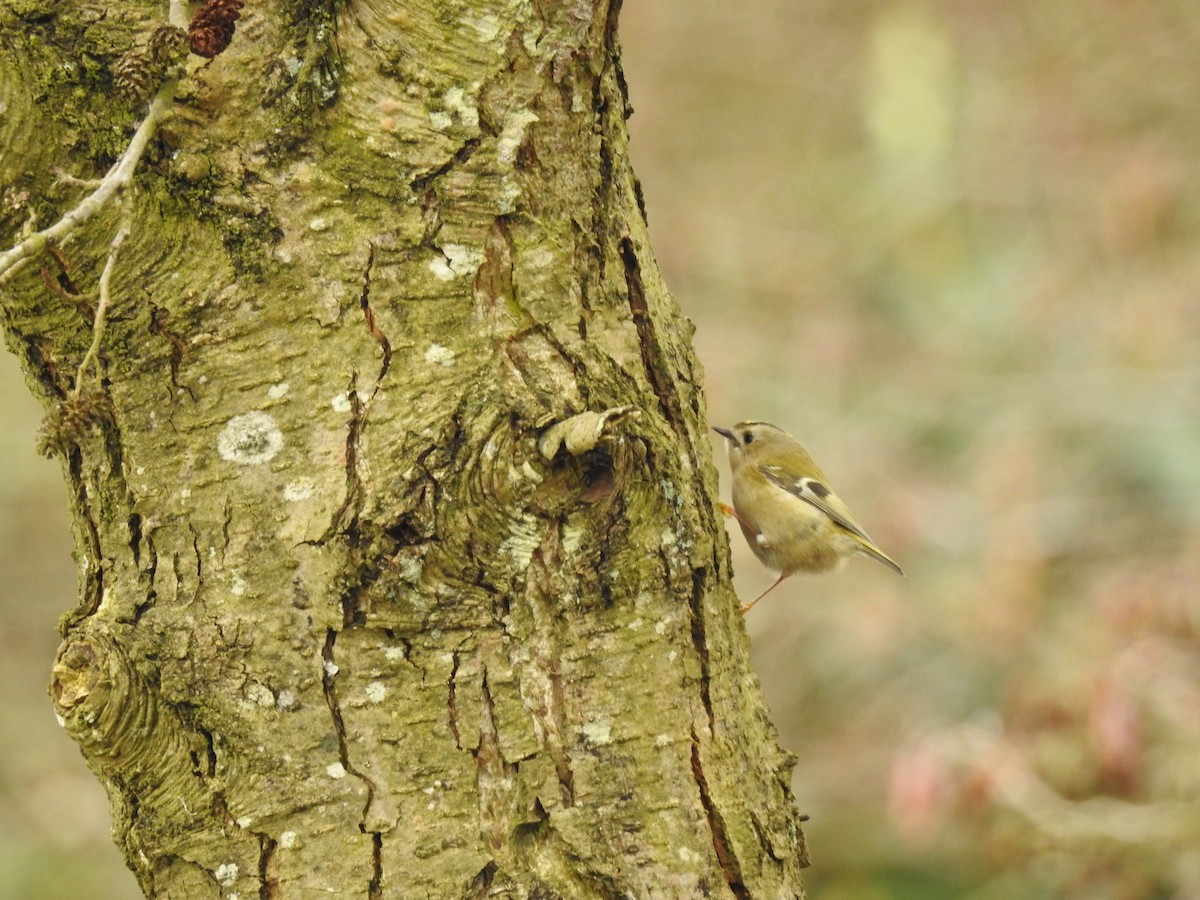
(745, 607)
(729, 512)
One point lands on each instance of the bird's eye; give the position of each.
(747, 438)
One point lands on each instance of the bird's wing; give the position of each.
(814, 492)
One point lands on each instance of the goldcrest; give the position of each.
(782, 500)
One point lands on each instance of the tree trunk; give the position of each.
(400, 567)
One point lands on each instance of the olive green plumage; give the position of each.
(791, 518)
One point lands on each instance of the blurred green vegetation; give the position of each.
(953, 246)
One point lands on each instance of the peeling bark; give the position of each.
(400, 567)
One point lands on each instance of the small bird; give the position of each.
(790, 517)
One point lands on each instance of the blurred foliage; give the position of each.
(953, 246)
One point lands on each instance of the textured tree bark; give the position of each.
(400, 567)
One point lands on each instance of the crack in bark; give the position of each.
(203, 768)
(268, 877)
(134, 524)
(226, 521)
(494, 292)
(700, 642)
(494, 774)
(152, 562)
(586, 254)
(159, 319)
(175, 560)
(328, 674)
(375, 886)
(653, 358)
(601, 199)
(452, 702)
(329, 685)
(464, 153)
(364, 301)
(546, 674)
(93, 584)
(482, 882)
(431, 203)
(345, 517)
(177, 575)
(725, 858)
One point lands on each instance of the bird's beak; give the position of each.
(725, 433)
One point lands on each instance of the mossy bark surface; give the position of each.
(401, 573)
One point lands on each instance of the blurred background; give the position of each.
(953, 247)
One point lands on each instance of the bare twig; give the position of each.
(177, 14)
(102, 305)
(117, 178)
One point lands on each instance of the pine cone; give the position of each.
(66, 424)
(169, 45)
(134, 74)
(211, 29)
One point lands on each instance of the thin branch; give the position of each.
(105, 301)
(118, 177)
(177, 14)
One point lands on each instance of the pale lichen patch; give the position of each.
(376, 691)
(440, 267)
(226, 874)
(461, 107)
(439, 355)
(459, 260)
(463, 259)
(335, 770)
(410, 568)
(297, 490)
(598, 732)
(250, 439)
(260, 695)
